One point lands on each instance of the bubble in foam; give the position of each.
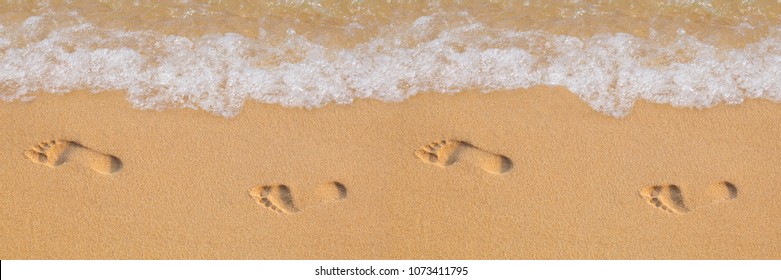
(32, 22)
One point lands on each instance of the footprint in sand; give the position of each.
(56, 152)
(447, 152)
(279, 198)
(668, 198)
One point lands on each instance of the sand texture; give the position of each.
(531, 174)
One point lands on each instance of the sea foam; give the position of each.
(219, 72)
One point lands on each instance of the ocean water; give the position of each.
(217, 55)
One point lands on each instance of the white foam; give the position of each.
(219, 72)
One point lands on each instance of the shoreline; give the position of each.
(574, 190)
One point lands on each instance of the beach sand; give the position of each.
(661, 183)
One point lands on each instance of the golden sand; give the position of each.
(535, 174)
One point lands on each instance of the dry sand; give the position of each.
(350, 181)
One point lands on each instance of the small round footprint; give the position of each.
(668, 198)
(279, 198)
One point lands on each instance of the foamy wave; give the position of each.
(219, 72)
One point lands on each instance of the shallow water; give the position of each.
(215, 55)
